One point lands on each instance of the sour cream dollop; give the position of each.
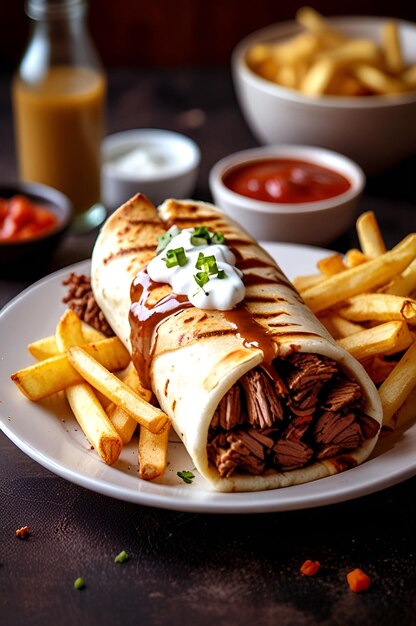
(218, 293)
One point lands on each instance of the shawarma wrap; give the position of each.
(261, 396)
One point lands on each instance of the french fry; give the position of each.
(398, 385)
(118, 392)
(355, 257)
(403, 284)
(340, 327)
(122, 422)
(318, 78)
(354, 51)
(84, 403)
(69, 331)
(379, 307)
(152, 453)
(331, 265)
(391, 47)
(297, 49)
(377, 80)
(46, 346)
(314, 22)
(90, 333)
(46, 377)
(94, 422)
(406, 412)
(362, 278)
(54, 374)
(387, 338)
(304, 282)
(369, 235)
(43, 348)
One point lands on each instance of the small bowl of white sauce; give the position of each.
(159, 163)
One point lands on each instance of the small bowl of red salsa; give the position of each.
(33, 219)
(300, 194)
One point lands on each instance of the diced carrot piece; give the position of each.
(309, 568)
(358, 580)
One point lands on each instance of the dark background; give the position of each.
(182, 32)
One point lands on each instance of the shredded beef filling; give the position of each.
(80, 299)
(309, 410)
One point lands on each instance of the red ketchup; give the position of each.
(285, 181)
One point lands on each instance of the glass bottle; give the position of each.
(58, 97)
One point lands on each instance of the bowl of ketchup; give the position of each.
(33, 220)
(299, 194)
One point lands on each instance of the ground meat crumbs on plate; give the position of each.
(80, 299)
(308, 411)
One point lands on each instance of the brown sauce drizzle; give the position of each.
(145, 319)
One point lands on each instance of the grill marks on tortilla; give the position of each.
(310, 412)
(121, 252)
(137, 221)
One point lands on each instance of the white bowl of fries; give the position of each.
(317, 222)
(346, 83)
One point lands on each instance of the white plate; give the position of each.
(55, 441)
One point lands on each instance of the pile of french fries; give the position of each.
(367, 301)
(80, 362)
(322, 60)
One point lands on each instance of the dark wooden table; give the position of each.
(189, 568)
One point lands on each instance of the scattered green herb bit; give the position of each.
(221, 274)
(201, 236)
(186, 476)
(175, 257)
(166, 238)
(217, 238)
(79, 583)
(201, 278)
(120, 558)
(198, 241)
(207, 264)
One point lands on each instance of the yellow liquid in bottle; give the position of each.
(59, 128)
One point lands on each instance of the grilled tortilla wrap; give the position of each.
(202, 365)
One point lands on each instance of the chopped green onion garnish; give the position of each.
(201, 278)
(217, 238)
(186, 476)
(120, 558)
(221, 274)
(207, 263)
(79, 583)
(201, 233)
(198, 241)
(203, 237)
(175, 257)
(166, 238)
